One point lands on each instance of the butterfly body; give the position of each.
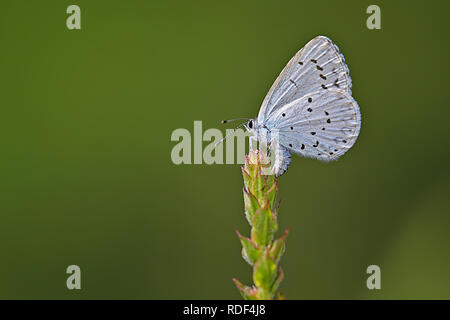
(309, 109)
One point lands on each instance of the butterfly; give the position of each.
(309, 110)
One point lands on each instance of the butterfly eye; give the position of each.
(250, 124)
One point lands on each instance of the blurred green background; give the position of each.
(86, 173)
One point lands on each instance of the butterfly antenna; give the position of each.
(230, 120)
(231, 133)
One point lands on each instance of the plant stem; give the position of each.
(261, 251)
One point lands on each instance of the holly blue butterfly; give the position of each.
(309, 107)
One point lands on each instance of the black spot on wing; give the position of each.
(336, 84)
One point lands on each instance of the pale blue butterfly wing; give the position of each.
(318, 63)
(323, 124)
(311, 107)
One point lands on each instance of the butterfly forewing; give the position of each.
(317, 66)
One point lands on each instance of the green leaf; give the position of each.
(264, 226)
(251, 164)
(270, 180)
(277, 282)
(250, 251)
(271, 194)
(251, 205)
(246, 292)
(278, 247)
(247, 178)
(258, 187)
(264, 272)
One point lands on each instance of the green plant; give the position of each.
(261, 251)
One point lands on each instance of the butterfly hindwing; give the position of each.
(322, 124)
